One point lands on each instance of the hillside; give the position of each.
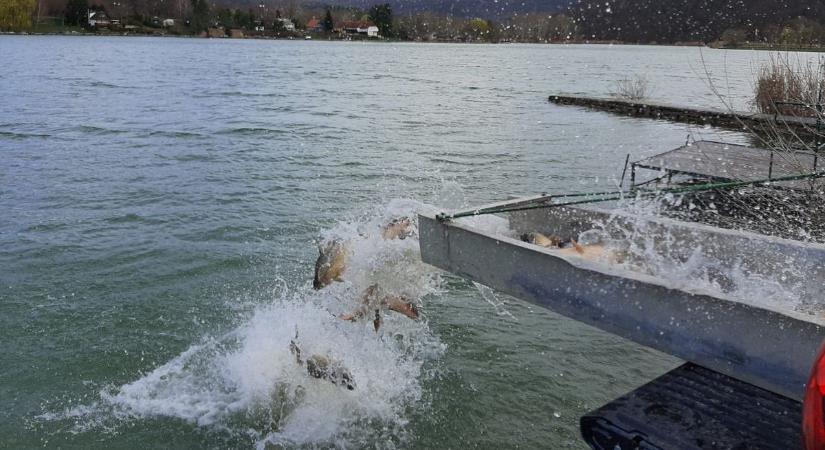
(698, 20)
(491, 9)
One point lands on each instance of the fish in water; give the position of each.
(332, 257)
(372, 299)
(330, 265)
(323, 368)
(397, 229)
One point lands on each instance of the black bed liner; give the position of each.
(692, 407)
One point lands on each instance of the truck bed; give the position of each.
(694, 408)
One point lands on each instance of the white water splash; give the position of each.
(248, 383)
(774, 282)
(493, 300)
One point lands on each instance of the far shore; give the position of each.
(323, 38)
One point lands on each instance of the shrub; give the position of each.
(782, 81)
(636, 87)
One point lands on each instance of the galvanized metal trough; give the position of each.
(769, 345)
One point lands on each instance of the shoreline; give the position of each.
(766, 47)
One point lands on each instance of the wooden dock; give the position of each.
(718, 161)
(734, 120)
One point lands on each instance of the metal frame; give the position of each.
(670, 172)
(763, 347)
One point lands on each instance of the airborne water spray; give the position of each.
(247, 383)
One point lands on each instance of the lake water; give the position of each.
(161, 201)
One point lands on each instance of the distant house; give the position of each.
(314, 25)
(286, 23)
(168, 23)
(360, 27)
(98, 19)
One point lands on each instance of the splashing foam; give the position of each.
(248, 382)
(780, 283)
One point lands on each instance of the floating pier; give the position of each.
(718, 161)
(734, 120)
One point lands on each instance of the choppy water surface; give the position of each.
(161, 201)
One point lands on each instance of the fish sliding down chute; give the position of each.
(765, 271)
(648, 296)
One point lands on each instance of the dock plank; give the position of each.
(734, 120)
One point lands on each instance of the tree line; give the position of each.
(670, 21)
(16, 15)
(734, 22)
(535, 27)
(195, 16)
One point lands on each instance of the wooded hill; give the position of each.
(669, 21)
(484, 9)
